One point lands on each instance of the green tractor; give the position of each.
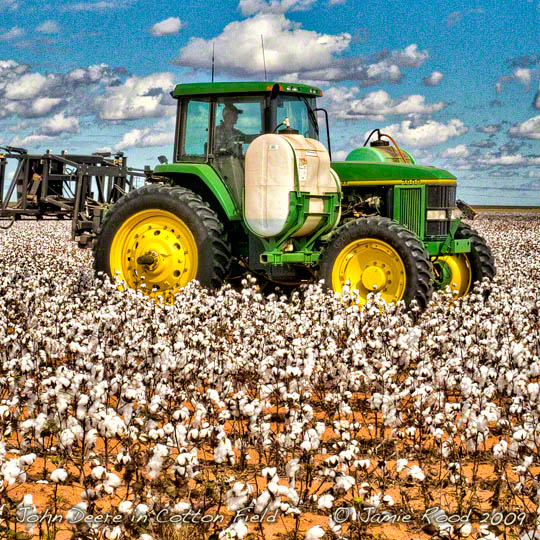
(251, 188)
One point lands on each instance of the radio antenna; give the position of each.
(264, 59)
(213, 61)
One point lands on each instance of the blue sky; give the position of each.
(455, 83)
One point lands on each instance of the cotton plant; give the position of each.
(291, 403)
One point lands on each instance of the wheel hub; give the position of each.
(374, 278)
(150, 260)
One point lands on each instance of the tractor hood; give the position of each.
(365, 172)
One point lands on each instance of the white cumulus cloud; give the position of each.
(251, 7)
(434, 79)
(288, 47)
(168, 27)
(459, 151)
(30, 140)
(142, 138)
(376, 105)
(505, 160)
(35, 108)
(13, 33)
(60, 123)
(27, 86)
(428, 134)
(524, 75)
(48, 27)
(294, 52)
(530, 129)
(138, 97)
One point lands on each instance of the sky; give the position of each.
(455, 83)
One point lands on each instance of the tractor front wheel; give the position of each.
(462, 270)
(159, 238)
(378, 255)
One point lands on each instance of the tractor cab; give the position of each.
(217, 121)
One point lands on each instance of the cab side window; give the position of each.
(196, 129)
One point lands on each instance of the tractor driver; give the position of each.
(227, 137)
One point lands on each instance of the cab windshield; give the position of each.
(299, 110)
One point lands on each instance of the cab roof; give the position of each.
(204, 89)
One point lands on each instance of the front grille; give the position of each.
(438, 197)
(410, 204)
(437, 228)
(441, 197)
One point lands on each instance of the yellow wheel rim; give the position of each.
(154, 251)
(460, 271)
(370, 265)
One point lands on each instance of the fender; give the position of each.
(211, 180)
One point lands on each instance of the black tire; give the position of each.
(480, 257)
(419, 279)
(213, 250)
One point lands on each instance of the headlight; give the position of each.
(436, 215)
(455, 213)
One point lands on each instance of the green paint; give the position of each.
(238, 88)
(455, 246)
(209, 177)
(358, 171)
(368, 153)
(304, 252)
(451, 233)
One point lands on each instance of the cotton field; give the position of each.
(232, 414)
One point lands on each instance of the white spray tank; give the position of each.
(277, 164)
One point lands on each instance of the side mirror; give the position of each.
(163, 159)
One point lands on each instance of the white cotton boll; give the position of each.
(262, 501)
(387, 499)
(416, 473)
(269, 472)
(182, 507)
(113, 534)
(315, 533)
(12, 473)
(500, 449)
(67, 438)
(145, 536)
(401, 464)
(88, 495)
(344, 483)
(59, 476)
(363, 464)
(519, 435)
(125, 507)
(292, 467)
(238, 495)
(325, 502)
(27, 459)
(99, 472)
(141, 509)
(91, 437)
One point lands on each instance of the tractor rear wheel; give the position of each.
(462, 270)
(159, 238)
(378, 255)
